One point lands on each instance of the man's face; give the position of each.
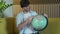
(26, 8)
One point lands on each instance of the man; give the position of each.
(24, 18)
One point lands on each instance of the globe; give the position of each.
(39, 22)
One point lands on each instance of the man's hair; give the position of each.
(24, 3)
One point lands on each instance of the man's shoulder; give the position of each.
(20, 14)
(32, 11)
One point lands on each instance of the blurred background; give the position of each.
(50, 7)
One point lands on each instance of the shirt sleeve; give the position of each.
(34, 13)
(19, 19)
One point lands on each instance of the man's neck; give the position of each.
(25, 11)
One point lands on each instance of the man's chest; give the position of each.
(27, 16)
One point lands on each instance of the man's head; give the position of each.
(25, 5)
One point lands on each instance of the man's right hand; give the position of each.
(29, 19)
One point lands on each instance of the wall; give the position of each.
(51, 9)
(16, 9)
(53, 26)
(16, 2)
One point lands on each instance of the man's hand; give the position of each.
(46, 15)
(29, 19)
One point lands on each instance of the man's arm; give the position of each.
(27, 21)
(20, 26)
